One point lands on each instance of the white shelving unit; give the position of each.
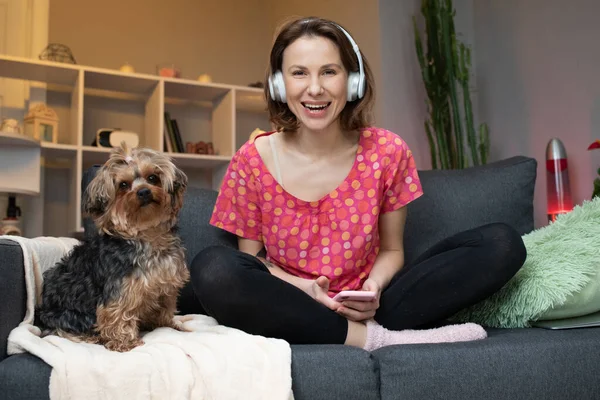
(20, 172)
(87, 99)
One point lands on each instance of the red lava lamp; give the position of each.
(557, 180)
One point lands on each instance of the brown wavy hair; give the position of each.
(356, 114)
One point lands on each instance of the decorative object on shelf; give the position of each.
(11, 225)
(200, 148)
(596, 191)
(59, 53)
(204, 78)
(10, 125)
(41, 123)
(446, 64)
(127, 68)
(168, 71)
(108, 137)
(558, 189)
(257, 84)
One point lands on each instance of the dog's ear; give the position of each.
(98, 194)
(181, 180)
(179, 187)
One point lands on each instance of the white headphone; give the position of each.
(356, 80)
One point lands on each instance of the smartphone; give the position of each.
(355, 295)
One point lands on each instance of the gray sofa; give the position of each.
(511, 364)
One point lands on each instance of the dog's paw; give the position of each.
(123, 347)
(179, 322)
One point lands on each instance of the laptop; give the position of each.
(584, 321)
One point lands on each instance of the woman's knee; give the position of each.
(212, 268)
(506, 247)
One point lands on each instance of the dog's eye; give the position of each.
(123, 185)
(153, 179)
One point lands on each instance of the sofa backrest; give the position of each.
(453, 200)
(457, 200)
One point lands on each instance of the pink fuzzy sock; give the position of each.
(378, 336)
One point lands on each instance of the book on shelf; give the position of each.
(172, 135)
(178, 140)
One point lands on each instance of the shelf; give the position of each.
(19, 191)
(95, 155)
(40, 71)
(194, 91)
(88, 98)
(54, 151)
(104, 81)
(250, 99)
(94, 149)
(187, 160)
(17, 139)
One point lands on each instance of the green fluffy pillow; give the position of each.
(560, 277)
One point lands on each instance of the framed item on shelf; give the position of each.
(41, 123)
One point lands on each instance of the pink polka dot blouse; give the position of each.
(336, 236)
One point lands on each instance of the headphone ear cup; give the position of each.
(277, 87)
(361, 86)
(353, 89)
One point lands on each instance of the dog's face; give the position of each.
(135, 191)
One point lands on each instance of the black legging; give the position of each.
(238, 291)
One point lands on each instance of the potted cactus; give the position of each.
(445, 63)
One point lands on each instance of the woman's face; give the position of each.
(315, 81)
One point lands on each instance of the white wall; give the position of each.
(538, 78)
(223, 38)
(402, 95)
(228, 39)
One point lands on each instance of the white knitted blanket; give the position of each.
(209, 362)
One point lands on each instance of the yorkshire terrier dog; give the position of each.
(126, 278)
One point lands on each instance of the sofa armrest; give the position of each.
(13, 294)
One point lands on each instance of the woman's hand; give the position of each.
(362, 310)
(319, 290)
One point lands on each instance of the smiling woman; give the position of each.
(323, 198)
(326, 53)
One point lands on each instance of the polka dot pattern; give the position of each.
(336, 236)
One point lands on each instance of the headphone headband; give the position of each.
(358, 55)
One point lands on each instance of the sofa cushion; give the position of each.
(318, 372)
(457, 200)
(334, 372)
(24, 376)
(510, 364)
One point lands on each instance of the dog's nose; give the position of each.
(144, 195)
